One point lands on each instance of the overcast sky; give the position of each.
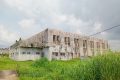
(24, 18)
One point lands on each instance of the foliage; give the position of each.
(101, 67)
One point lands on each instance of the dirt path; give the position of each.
(8, 75)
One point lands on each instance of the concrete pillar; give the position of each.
(95, 48)
(81, 48)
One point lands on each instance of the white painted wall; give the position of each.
(19, 56)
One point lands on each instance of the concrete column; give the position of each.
(95, 48)
(49, 54)
(100, 47)
(81, 48)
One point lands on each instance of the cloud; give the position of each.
(29, 27)
(34, 8)
(58, 19)
(27, 23)
(7, 37)
(70, 22)
(115, 45)
(16, 3)
(76, 24)
(80, 16)
(23, 6)
(97, 26)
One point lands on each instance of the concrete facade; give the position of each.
(58, 45)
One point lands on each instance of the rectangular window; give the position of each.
(28, 52)
(98, 45)
(62, 54)
(42, 54)
(54, 36)
(67, 40)
(56, 39)
(91, 44)
(76, 42)
(23, 52)
(55, 53)
(38, 53)
(85, 43)
(103, 45)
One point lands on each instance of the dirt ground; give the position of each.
(8, 75)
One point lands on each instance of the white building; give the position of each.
(4, 50)
(56, 44)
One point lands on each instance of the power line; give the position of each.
(105, 30)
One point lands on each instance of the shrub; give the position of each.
(101, 67)
(41, 62)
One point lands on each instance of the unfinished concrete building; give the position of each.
(4, 51)
(58, 45)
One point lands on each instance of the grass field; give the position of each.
(102, 67)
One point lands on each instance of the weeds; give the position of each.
(101, 67)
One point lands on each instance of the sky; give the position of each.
(24, 18)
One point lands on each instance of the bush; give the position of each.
(41, 62)
(4, 55)
(101, 67)
(104, 67)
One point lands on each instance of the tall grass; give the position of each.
(101, 67)
(6, 63)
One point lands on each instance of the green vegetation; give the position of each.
(102, 67)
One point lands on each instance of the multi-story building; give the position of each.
(4, 50)
(59, 45)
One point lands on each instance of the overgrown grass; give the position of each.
(102, 67)
(6, 63)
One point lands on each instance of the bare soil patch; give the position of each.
(8, 75)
